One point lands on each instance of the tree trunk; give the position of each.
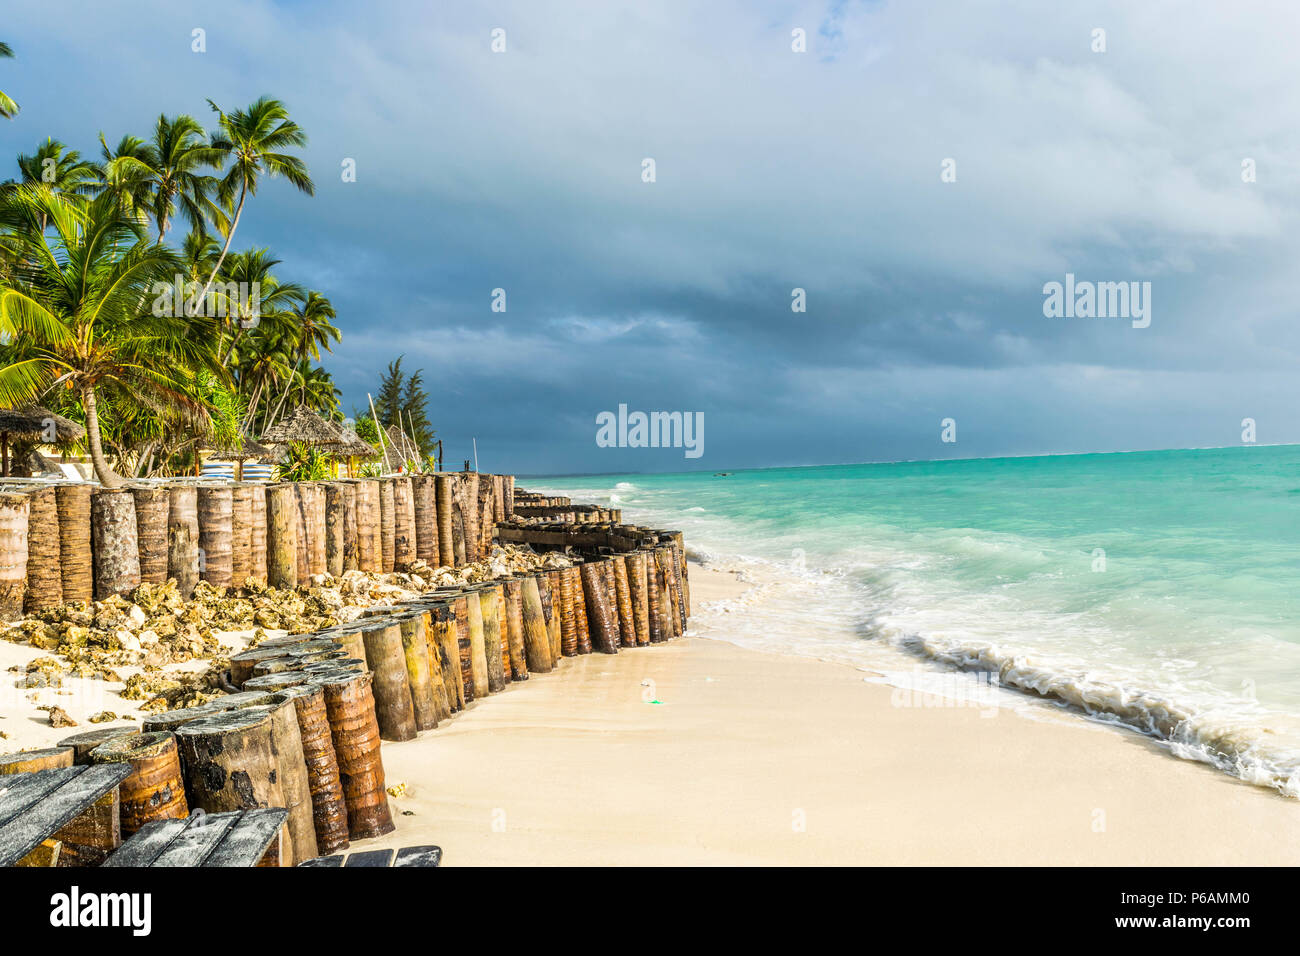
(117, 552)
(151, 508)
(537, 640)
(282, 536)
(183, 538)
(443, 504)
(415, 647)
(215, 533)
(477, 645)
(329, 812)
(623, 600)
(44, 574)
(257, 536)
(107, 477)
(636, 580)
(568, 624)
(241, 534)
(403, 524)
(155, 790)
(335, 526)
(386, 659)
(75, 565)
(353, 725)
(14, 514)
(386, 525)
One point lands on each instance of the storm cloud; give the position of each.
(774, 171)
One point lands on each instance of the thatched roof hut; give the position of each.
(33, 421)
(304, 425)
(243, 449)
(399, 448)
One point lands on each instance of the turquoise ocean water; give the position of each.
(1160, 590)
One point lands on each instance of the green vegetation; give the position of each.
(161, 343)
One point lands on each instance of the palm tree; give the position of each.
(60, 168)
(120, 176)
(254, 140)
(277, 300)
(78, 310)
(312, 330)
(8, 108)
(169, 168)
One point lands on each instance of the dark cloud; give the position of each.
(775, 171)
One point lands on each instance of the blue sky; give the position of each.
(775, 170)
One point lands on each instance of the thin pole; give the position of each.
(383, 448)
(475, 454)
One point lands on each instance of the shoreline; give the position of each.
(756, 757)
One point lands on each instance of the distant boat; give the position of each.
(722, 474)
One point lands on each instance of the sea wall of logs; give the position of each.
(69, 542)
(304, 727)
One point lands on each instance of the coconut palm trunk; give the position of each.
(103, 472)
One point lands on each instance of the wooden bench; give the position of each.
(237, 838)
(406, 856)
(34, 806)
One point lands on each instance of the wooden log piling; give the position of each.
(15, 510)
(387, 526)
(116, 547)
(350, 708)
(155, 790)
(281, 536)
(216, 533)
(537, 640)
(183, 538)
(604, 626)
(386, 659)
(403, 523)
(75, 553)
(44, 573)
(335, 526)
(241, 534)
(415, 647)
(329, 812)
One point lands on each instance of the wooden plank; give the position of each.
(249, 838)
(20, 791)
(201, 836)
(24, 833)
(335, 860)
(371, 858)
(418, 856)
(147, 843)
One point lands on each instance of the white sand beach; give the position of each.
(701, 752)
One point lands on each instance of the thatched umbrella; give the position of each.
(33, 421)
(304, 426)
